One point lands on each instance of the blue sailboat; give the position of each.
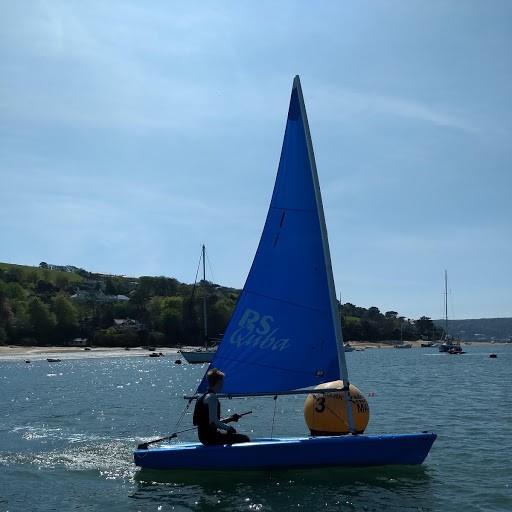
(284, 336)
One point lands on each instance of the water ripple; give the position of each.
(67, 440)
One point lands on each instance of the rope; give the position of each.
(273, 417)
(210, 267)
(180, 419)
(335, 413)
(197, 273)
(192, 295)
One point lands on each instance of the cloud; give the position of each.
(336, 103)
(125, 68)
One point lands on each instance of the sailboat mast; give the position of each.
(335, 313)
(205, 320)
(445, 303)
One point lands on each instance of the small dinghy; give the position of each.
(292, 452)
(284, 338)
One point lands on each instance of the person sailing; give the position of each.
(211, 430)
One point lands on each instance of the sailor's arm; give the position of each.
(212, 401)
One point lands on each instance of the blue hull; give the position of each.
(292, 452)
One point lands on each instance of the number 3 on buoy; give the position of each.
(320, 404)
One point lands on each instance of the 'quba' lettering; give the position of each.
(255, 330)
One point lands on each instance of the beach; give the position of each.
(33, 353)
(18, 353)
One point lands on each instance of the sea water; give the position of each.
(68, 430)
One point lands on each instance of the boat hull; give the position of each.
(197, 356)
(292, 452)
(448, 347)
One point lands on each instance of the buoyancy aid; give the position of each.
(201, 418)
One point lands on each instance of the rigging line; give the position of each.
(195, 282)
(335, 413)
(273, 417)
(198, 267)
(180, 419)
(332, 411)
(210, 267)
(450, 304)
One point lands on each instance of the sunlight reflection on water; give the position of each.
(67, 441)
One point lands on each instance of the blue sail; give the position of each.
(282, 334)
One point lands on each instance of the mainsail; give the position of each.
(284, 333)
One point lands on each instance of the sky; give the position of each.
(133, 132)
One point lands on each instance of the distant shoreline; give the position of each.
(23, 353)
(417, 344)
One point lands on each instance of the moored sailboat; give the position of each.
(201, 355)
(284, 336)
(448, 344)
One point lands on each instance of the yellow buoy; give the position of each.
(326, 414)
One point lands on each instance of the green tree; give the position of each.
(352, 329)
(15, 291)
(373, 313)
(154, 309)
(123, 310)
(171, 319)
(143, 291)
(192, 313)
(370, 330)
(164, 286)
(15, 274)
(41, 319)
(409, 331)
(390, 326)
(425, 327)
(105, 315)
(32, 277)
(110, 287)
(219, 313)
(6, 314)
(45, 287)
(349, 309)
(66, 317)
(62, 281)
(19, 326)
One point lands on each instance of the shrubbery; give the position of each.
(36, 308)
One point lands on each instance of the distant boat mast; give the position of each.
(205, 318)
(445, 303)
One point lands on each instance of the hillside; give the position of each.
(479, 329)
(56, 304)
(53, 304)
(29, 274)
